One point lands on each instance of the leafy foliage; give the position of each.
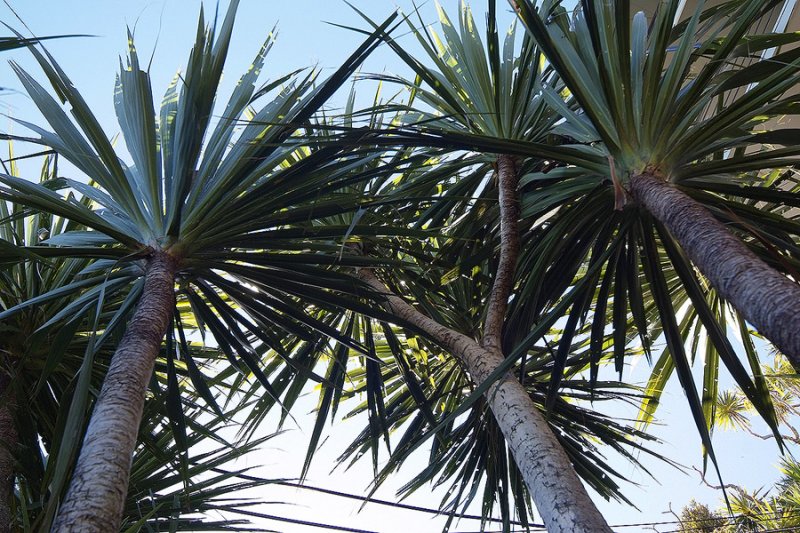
(235, 203)
(624, 274)
(767, 508)
(269, 210)
(56, 366)
(417, 388)
(698, 517)
(651, 100)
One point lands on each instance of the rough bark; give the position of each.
(10, 440)
(766, 298)
(497, 304)
(559, 495)
(96, 496)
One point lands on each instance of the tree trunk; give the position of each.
(496, 306)
(559, 495)
(10, 441)
(768, 300)
(96, 496)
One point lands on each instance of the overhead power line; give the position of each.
(378, 501)
(532, 526)
(302, 522)
(397, 504)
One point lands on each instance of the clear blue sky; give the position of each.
(167, 26)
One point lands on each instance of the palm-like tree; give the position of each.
(617, 92)
(669, 180)
(169, 488)
(412, 385)
(733, 408)
(483, 97)
(759, 511)
(651, 103)
(52, 364)
(210, 215)
(693, 333)
(224, 221)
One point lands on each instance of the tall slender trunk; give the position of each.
(559, 495)
(497, 305)
(767, 299)
(9, 442)
(96, 496)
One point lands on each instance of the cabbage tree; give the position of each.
(214, 215)
(683, 129)
(483, 96)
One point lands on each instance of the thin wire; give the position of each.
(302, 522)
(533, 527)
(378, 501)
(397, 504)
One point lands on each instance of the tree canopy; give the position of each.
(464, 257)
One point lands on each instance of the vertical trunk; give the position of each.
(559, 495)
(8, 443)
(768, 300)
(96, 496)
(507, 182)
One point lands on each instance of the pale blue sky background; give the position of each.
(305, 40)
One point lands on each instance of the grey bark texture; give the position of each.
(10, 441)
(766, 298)
(96, 497)
(560, 497)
